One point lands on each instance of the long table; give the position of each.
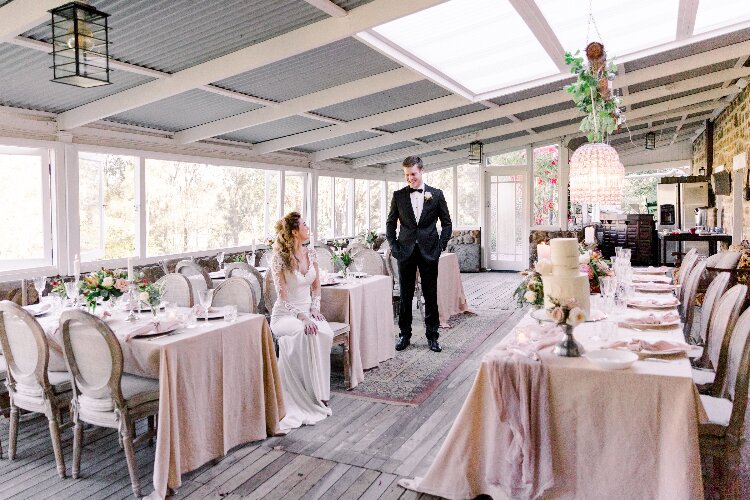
(365, 304)
(219, 387)
(450, 290)
(613, 434)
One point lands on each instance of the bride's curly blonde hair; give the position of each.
(284, 244)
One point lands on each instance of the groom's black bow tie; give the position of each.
(412, 190)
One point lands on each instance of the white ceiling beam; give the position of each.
(677, 130)
(638, 116)
(548, 119)
(368, 122)
(639, 76)
(328, 7)
(532, 16)
(22, 15)
(740, 62)
(686, 19)
(260, 54)
(326, 97)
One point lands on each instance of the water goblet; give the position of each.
(230, 313)
(40, 283)
(205, 297)
(71, 290)
(220, 259)
(358, 266)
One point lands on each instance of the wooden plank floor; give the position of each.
(359, 452)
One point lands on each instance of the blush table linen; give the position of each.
(367, 307)
(614, 434)
(450, 291)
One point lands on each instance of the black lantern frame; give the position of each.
(702, 171)
(650, 140)
(80, 45)
(476, 152)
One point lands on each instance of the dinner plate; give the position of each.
(332, 282)
(212, 315)
(651, 270)
(356, 274)
(543, 315)
(37, 310)
(650, 278)
(657, 307)
(651, 326)
(612, 359)
(654, 288)
(217, 274)
(146, 307)
(157, 331)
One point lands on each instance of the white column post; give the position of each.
(562, 183)
(313, 205)
(140, 208)
(73, 215)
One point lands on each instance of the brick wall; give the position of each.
(731, 137)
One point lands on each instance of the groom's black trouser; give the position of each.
(407, 277)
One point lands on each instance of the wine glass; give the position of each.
(359, 264)
(40, 283)
(205, 297)
(220, 258)
(71, 290)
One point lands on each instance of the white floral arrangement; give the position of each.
(427, 196)
(566, 313)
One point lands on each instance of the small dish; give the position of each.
(612, 359)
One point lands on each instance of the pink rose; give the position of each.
(122, 284)
(557, 315)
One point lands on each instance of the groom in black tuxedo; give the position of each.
(417, 208)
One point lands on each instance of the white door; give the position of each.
(507, 219)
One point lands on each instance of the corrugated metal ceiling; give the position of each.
(674, 96)
(337, 141)
(327, 66)
(171, 35)
(274, 130)
(693, 73)
(434, 117)
(25, 82)
(184, 111)
(465, 130)
(382, 149)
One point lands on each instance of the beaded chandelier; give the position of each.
(596, 175)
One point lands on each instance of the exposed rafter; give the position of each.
(326, 97)
(686, 19)
(22, 15)
(328, 7)
(537, 23)
(260, 54)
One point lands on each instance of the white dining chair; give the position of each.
(325, 258)
(687, 307)
(684, 271)
(244, 270)
(102, 394)
(726, 404)
(199, 278)
(31, 387)
(265, 259)
(177, 290)
(235, 291)
(714, 352)
(370, 262)
(715, 291)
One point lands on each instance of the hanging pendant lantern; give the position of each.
(596, 175)
(80, 45)
(650, 140)
(475, 153)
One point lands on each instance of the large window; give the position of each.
(367, 209)
(294, 193)
(194, 206)
(325, 207)
(106, 206)
(376, 209)
(25, 221)
(546, 207)
(443, 180)
(341, 188)
(468, 195)
(335, 205)
(508, 159)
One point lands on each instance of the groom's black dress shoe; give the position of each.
(402, 343)
(434, 345)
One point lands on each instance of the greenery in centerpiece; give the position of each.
(239, 258)
(58, 288)
(368, 238)
(531, 289)
(594, 266)
(149, 293)
(105, 284)
(342, 257)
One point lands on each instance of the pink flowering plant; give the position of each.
(565, 312)
(104, 284)
(594, 266)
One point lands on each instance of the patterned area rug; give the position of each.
(413, 374)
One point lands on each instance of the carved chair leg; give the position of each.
(127, 440)
(77, 445)
(54, 432)
(151, 429)
(13, 438)
(347, 365)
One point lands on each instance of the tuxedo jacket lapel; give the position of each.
(409, 207)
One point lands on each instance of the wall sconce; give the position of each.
(650, 140)
(702, 171)
(475, 153)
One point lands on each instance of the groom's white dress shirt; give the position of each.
(417, 202)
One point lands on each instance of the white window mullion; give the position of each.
(454, 208)
(350, 208)
(141, 216)
(72, 210)
(58, 195)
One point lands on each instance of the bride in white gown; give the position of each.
(303, 334)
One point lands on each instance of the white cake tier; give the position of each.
(564, 288)
(564, 255)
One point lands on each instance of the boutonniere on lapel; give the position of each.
(427, 196)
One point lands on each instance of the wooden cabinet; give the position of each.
(642, 240)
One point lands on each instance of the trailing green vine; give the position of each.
(602, 115)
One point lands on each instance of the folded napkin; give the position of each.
(645, 278)
(654, 302)
(199, 310)
(153, 326)
(644, 346)
(653, 319)
(37, 309)
(530, 339)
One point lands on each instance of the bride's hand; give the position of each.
(317, 316)
(310, 327)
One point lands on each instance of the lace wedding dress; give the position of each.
(304, 360)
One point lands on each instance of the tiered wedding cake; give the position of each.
(566, 280)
